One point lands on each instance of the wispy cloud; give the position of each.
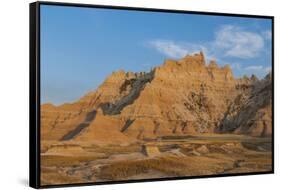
(174, 49)
(268, 69)
(237, 42)
(229, 41)
(258, 70)
(267, 34)
(169, 48)
(254, 67)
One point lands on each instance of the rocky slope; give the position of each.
(251, 112)
(186, 96)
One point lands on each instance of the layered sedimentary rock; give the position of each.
(185, 96)
(251, 112)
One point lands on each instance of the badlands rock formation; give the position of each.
(186, 96)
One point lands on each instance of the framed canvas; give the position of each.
(122, 94)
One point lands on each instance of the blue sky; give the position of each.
(81, 46)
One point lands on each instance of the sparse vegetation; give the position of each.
(62, 161)
(199, 156)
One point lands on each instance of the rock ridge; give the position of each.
(185, 96)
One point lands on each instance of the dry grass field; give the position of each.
(169, 157)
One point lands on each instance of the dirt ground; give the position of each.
(169, 156)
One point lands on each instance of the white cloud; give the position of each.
(236, 42)
(229, 41)
(267, 34)
(254, 67)
(259, 70)
(217, 50)
(169, 48)
(268, 69)
(176, 50)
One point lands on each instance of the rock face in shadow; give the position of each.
(186, 96)
(251, 113)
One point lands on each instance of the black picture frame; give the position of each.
(34, 98)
